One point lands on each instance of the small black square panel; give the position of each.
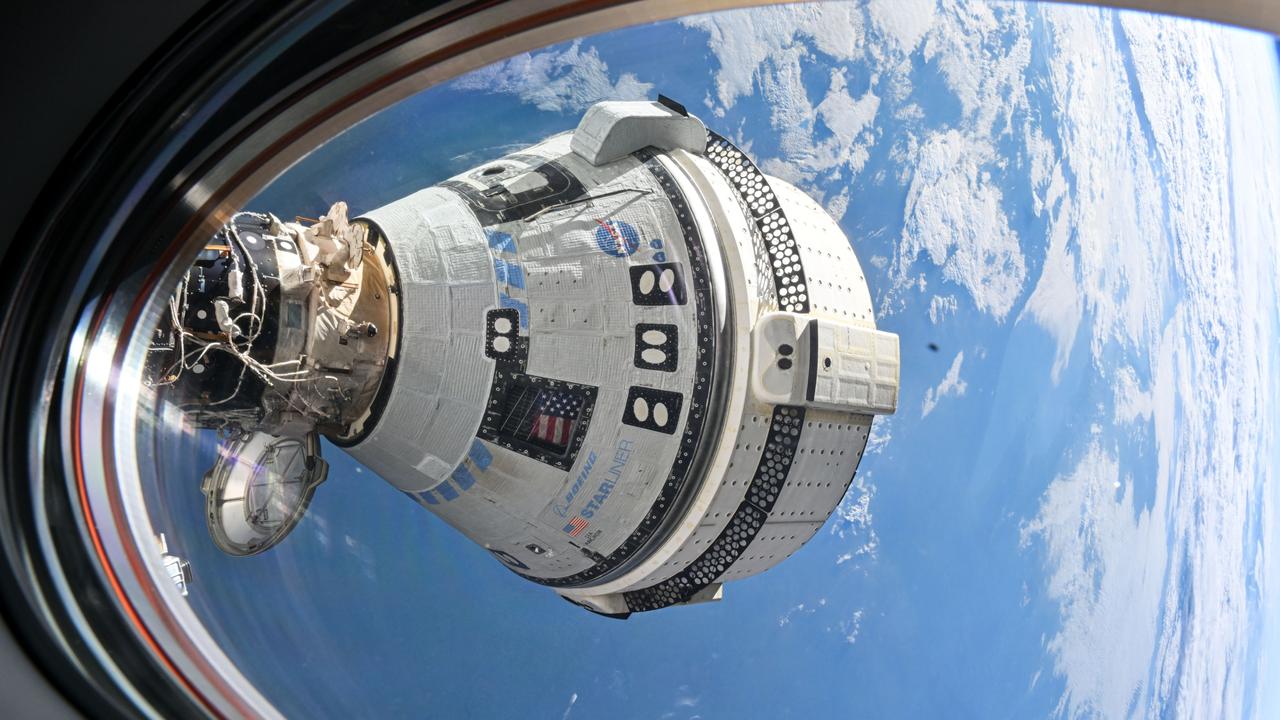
(657, 284)
(653, 409)
(657, 346)
(502, 340)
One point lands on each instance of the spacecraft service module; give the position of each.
(623, 360)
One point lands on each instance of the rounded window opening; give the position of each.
(646, 328)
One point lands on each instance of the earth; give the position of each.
(1068, 216)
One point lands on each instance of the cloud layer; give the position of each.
(950, 386)
(1159, 603)
(567, 80)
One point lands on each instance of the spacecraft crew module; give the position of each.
(624, 360)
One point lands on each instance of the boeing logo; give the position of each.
(621, 456)
(562, 509)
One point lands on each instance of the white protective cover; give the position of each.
(612, 130)
(442, 378)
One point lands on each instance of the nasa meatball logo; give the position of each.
(617, 238)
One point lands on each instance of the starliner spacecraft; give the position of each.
(624, 360)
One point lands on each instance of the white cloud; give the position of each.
(852, 627)
(1055, 303)
(909, 112)
(743, 40)
(685, 698)
(1132, 403)
(940, 307)
(764, 50)
(1132, 642)
(573, 699)
(847, 147)
(839, 205)
(881, 433)
(1104, 236)
(1045, 173)
(1223, 216)
(1106, 567)
(854, 511)
(954, 219)
(785, 619)
(955, 214)
(852, 520)
(903, 23)
(950, 386)
(982, 51)
(800, 608)
(842, 114)
(567, 80)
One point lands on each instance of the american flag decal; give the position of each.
(576, 526)
(552, 417)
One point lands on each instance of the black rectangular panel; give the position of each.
(653, 409)
(658, 284)
(657, 346)
(538, 417)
